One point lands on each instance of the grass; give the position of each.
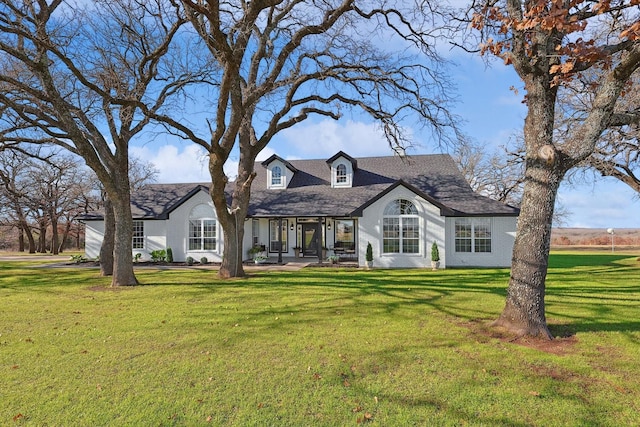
(316, 347)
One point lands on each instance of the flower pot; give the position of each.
(435, 265)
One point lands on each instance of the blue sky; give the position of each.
(491, 112)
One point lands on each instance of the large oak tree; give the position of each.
(283, 61)
(87, 78)
(551, 44)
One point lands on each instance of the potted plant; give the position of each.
(260, 259)
(435, 256)
(333, 259)
(253, 251)
(369, 255)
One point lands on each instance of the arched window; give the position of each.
(341, 174)
(202, 229)
(276, 175)
(401, 228)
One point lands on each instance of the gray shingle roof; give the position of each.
(435, 177)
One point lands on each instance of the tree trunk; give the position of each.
(232, 254)
(54, 235)
(232, 222)
(20, 240)
(27, 231)
(106, 250)
(65, 234)
(42, 239)
(524, 312)
(123, 274)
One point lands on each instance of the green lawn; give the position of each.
(316, 347)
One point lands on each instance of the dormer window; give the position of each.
(276, 176)
(341, 174)
(279, 172)
(342, 167)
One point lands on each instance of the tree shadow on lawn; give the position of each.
(564, 260)
(446, 291)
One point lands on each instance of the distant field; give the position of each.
(624, 239)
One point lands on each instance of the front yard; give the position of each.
(317, 347)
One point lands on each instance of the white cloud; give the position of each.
(325, 138)
(188, 164)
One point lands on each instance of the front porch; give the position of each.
(303, 239)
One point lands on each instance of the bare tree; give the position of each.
(14, 189)
(58, 187)
(496, 174)
(87, 78)
(551, 44)
(43, 193)
(282, 61)
(617, 153)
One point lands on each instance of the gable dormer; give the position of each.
(279, 172)
(342, 167)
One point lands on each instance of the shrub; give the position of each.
(435, 253)
(204, 260)
(169, 255)
(137, 257)
(190, 260)
(78, 259)
(158, 255)
(369, 256)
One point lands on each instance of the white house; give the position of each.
(400, 205)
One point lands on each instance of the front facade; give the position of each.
(319, 208)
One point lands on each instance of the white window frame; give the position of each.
(276, 176)
(138, 239)
(202, 229)
(401, 223)
(477, 236)
(342, 174)
(206, 233)
(273, 237)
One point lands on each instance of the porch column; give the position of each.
(279, 240)
(320, 240)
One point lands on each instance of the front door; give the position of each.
(310, 239)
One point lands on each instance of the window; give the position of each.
(255, 232)
(202, 234)
(345, 234)
(274, 236)
(203, 229)
(276, 176)
(341, 174)
(473, 235)
(138, 235)
(401, 228)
